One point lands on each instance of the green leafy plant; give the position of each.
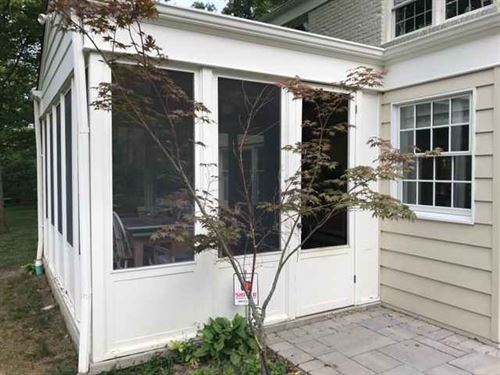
(29, 268)
(183, 351)
(226, 341)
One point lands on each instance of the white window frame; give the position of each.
(438, 16)
(393, 9)
(443, 7)
(434, 213)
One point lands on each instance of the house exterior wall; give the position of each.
(441, 270)
(357, 21)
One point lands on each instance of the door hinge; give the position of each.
(354, 279)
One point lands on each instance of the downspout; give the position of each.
(39, 183)
(83, 155)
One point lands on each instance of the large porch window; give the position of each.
(334, 231)
(249, 155)
(147, 192)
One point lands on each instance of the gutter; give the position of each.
(39, 181)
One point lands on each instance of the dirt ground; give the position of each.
(33, 338)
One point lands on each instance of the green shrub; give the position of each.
(184, 351)
(224, 347)
(226, 341)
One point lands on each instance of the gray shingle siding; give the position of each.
(354, 20)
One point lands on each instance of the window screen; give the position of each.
(51, 165)
(148, 193)
(59, 168)
(334, 231)
(249, 126)
(45, 166)
(68, 134)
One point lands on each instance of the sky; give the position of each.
(218, 3)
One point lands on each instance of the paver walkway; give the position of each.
(378, 340)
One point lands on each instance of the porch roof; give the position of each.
(264, 33)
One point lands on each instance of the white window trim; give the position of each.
(438, 16)
(442, 5)
(436, 5)
(431, 213)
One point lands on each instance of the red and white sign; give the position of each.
(240, 295)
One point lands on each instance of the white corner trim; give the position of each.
(237, 28)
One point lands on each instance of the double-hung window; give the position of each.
(411, 15)
(438, 182)
(457, 7)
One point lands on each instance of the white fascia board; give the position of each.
(443, 38)
(259, 32)
(291, 10)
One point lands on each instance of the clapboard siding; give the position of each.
(443, 270)
(475, 235)
(56, 65)
(484, 190)
(466, 299)
(453, 253)
(450, 315)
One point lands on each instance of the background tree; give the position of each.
(241, 231)
(19, 50)
(250, 9)
(204, 5)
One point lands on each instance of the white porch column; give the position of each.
(366, 228)
(101, 205)
(206, 168)
(291, 133)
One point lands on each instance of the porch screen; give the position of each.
(148, 194)
(249, 158)
(58, 131)
(334, 231)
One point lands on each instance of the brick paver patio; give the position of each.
(378, 340)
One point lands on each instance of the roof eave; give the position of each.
(237, 28)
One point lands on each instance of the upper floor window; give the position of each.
(412, 15)
(442, 182)
(457, 7)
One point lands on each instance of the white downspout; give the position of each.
(83, 152)
(39, 182)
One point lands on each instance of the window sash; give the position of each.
(452, 181)
(470, 3)
(413, 22)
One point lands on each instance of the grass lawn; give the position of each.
(18, 247)
(33, 340)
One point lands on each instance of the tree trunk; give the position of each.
(264, 369)
(260, 334)
(3, 221)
